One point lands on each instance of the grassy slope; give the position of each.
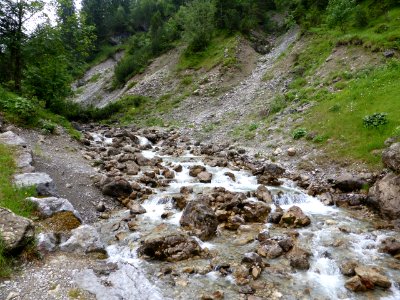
(337, 116)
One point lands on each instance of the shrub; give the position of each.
(375, 120)
(19, 107)
(299, 133)
(47, 126)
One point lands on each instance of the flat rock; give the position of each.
(84, 239)
(205, 177)
(51, 205)
(372, 276)
(11, 139)
(43, 182)
(16, 231)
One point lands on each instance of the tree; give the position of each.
(339, 11)
(198, 23)
(13, 16)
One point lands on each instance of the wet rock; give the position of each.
(247, 290)
(186, 190)
(199, 219)
(100, 207)
(141, 160)
(270, 249)
(241, 275)
(255, 211)
(275, 217)
(178, 168)
(217, 295)
(371, 277)
(51, 205)
(263, 194)
(299, 259)
(252, 259)
(132, 168)
(385, 196)
(349, 183)
(294, 217)
(263, 236)
(174, 247)
(230, 175)
(167, 215)
(390, 245)
(196, 170)
(117, 187)
(205, 177)
(355, 284)
(43, 182)
(168, 174)
(15, 231)
(391, 157)
(234, 222)
(347, 268)
(179, 201)
(84, 239)
(137, 209)
(285, 242)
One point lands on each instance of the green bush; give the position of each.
(47, 126)
(19, 107)
(375, 120)
(299, 133)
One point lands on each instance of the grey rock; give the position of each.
(43, 182)
(16, 231)
(117, 187)
(11, 139)
(263, 194)
(84, 239)
(137, 209)
(385, 196)
(299, 259)
(205, 177)
(200, 219)
(391, 157)
(24, 161)
(349, 183)
(174, 247)
(47, 242)
(294, 217)
(51, 205)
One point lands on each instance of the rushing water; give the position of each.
(324, 238)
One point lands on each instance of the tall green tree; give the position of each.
(14, 14)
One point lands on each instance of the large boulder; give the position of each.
(174, 247)
(43, 182)
(11, 139)
(15, 231)
(84, 239)
(299, 259)
(294, 217)
(372, 277)
(51, 205)
(118, 187)
(385, 196)
(263, 194)
(391, 157)
(255, 211)
(199, 219)
(348, 183)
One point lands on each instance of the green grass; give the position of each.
(340, 115)
(220, 51)
(95, 77)
(13, 199)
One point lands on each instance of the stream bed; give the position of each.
(335, 235)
